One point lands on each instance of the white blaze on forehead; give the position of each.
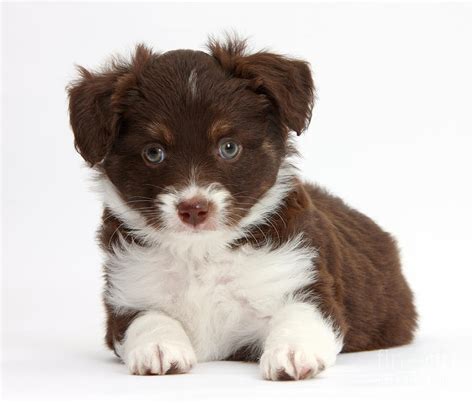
(192, 82)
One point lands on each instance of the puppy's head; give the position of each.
(191, 141)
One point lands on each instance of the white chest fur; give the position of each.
(222, 298)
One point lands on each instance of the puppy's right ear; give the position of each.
(97, 102)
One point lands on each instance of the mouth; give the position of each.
(199, 229)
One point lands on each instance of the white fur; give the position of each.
(154, 343)
(192, 83)
(115, 203)
(273, 198)
(300, 342)
(213, 193)
(190, 242)
(223, 298)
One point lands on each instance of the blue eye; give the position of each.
(229, 149)
(154, 154)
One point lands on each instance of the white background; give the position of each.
(391, 134)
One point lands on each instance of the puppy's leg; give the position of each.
(155, 344)
(300, 344)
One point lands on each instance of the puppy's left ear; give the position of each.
(286, 82)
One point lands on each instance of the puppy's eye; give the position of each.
(154, 154)
(229, 149)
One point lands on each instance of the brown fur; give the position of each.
(257, 99)
(360, 283)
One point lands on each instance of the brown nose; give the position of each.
(193, 211)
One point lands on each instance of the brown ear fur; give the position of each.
(97, 101)
(286, 82)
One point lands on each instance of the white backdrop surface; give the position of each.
(391, 134)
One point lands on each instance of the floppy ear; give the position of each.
(97, 102)
(286, 82)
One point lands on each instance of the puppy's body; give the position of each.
(278, 270)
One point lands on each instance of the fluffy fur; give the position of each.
(278, 270)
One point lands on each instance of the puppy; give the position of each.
(214, 249)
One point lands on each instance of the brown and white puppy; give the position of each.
(214, 248)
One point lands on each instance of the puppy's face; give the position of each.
(191, 141)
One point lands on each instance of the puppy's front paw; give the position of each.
(287, 363)
(160, 359)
